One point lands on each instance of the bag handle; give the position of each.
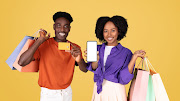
(150, 65)
(139, 64)
(35, 34)
(144, 64)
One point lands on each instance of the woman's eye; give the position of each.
(105, 31)
(113, 30)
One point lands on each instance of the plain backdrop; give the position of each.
(153, 26)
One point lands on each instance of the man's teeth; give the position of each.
(62, 34)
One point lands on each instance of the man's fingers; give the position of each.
(76, 54)
(49, 35)
(72, 45)
(67, 51)
(45, 32)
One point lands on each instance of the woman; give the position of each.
(115, 64)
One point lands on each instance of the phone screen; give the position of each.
(91, 51)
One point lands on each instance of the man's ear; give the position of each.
(54, 26)
(69, 28)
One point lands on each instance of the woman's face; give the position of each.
(110, 33)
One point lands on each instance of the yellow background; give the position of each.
(153, 26)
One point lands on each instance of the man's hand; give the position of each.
(76, 53)
(43, 36)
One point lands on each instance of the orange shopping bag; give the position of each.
(33, 66)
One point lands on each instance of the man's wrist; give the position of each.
(41, 39)
(81, 60)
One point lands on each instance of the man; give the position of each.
(56, 67)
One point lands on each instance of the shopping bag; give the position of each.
(150, 91)
(159, 89)
(10, 61)
(139, 85)
(33, 66)
(16, 52)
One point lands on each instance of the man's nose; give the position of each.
(62, 29)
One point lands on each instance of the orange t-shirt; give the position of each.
(56, 67)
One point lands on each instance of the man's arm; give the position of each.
(76, 54)
(82, 65)
(27, 56)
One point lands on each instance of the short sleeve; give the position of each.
(124, 75)
(37, 54)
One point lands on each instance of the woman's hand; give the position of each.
(85, 52)
(139, 53)
(94, 64)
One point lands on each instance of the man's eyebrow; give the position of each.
(60, 24)
(67, 24)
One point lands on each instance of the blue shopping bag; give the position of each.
(15, 53)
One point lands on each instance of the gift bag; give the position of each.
(139, 85)
(33, 66)
(150, 91)
(159, 89)
(12, 58)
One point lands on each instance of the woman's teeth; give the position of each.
(62, 34)
(110, 39)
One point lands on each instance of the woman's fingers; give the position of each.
(140, 53)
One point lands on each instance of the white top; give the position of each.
(106, 53)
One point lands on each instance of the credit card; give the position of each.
(63, 46)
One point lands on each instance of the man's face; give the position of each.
(62, 28)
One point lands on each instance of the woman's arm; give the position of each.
(139, 53)
(93, 64)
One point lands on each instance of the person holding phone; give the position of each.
(115, 63)
(56, 67)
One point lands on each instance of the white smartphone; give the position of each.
(91, 51)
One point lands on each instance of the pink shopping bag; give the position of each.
(139, 84)
(138, 89)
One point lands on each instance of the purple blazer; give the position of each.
(116, 67)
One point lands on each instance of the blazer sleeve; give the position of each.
(125, 76)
